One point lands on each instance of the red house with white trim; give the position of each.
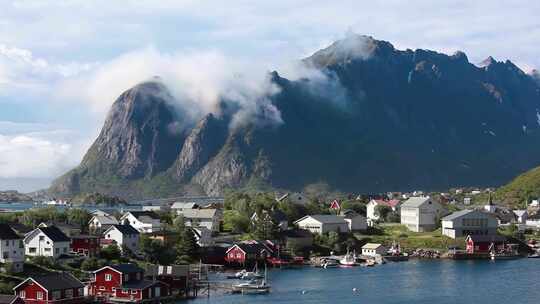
(126, 283)
(87, 245)
(53, 288)
(249, 252)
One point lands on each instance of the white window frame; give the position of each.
(39, 295)
(22, 294)
(69, 293)
(108, 277)
(134, 291)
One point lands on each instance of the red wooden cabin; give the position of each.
(249, 252)
(87, 245)
(125, 282)
(53, 288)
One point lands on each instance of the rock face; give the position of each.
(383, 119)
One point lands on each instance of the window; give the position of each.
(22, 294)
(101, 287)
(65, 249)
(126, 277)
(113, 289)
(138, 276)
(39, 295)
(57, 294)
(5, 255)
(41, 237)
(133, 291)
(56, 250)
(69, 293)
(7, 243)
(80, 292)
(108, 277)
(125, 291)
(47, 249)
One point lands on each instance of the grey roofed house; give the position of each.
(124, 229)
(144, 215)
(55, 234)
(457, 214)
(105, 220)
(415, 202)
(200, 213)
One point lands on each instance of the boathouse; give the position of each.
(481, 243)
(52, 288)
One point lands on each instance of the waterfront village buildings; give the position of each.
(321, 224)
(421, 214)
(208, 218)
(372, 206)
(11, 250)
(101, 222)
(469, 222)
(373, 250)
(143, 221)
(124, 236)
(47, 241)
(179, 207)
(53, 288)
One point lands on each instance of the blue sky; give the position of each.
(62, 63)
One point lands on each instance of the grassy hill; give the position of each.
(524, 187)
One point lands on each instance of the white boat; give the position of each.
(330, 263)
(348, 260)
(253, 286)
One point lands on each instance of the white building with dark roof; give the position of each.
(323, 223)
(144, 221)
(47, 241)
(208, 218)
(101, 222)
(469, 222)
(124, 236)
(11, 250)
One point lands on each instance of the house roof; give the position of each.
(55, 281)
(487, 238)
(371, 246)
(6, 233)
(415, 202)
(127, 268)
(172, 270)
(325, 219)
(124, 229)
(252, 247)
(144, 215)
(184, 205)
(105, 220)
(20, 228)
(55, 234)
(520, 212)
(142, 284)
(390, 203)
(199, 213)
(8, 299)
(458, 214)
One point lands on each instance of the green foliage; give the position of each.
(6, 287)
(521, 190)
(358, 207)
(92, 264)
(235, 222)
(111, 252)
(156, 252)
(79, 217)
(263, 228)
(35, 216)
(382, 211)
(187, 249)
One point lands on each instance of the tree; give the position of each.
(79, 217)
(235, 222)
(111, 252)
(263, 227)
(91, 264)
(187, 248)
(382, 211)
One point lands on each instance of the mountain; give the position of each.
(378, 119)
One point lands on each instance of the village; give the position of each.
(169, 249)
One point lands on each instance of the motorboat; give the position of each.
(253, 286)
(348, 260)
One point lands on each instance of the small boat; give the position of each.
(237, 275)
(330, 263)
(253, 286)
(394, 254)
(535, 255)
(508, 253)
(348, 260)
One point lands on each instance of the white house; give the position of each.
(209, 218)
(372, 206)
(179, 207)
(101, 222)
(144, 221)
(469, 222)
(420, 214)
(11, 250)
(373, 250)
(323, 223)
(521, 216)
(123, 236)
(203, 236)
(46, 241)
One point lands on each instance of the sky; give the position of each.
(62, 63)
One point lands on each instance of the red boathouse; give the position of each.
(482, 243)
(53, 288)
(126, 283)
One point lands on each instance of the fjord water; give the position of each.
(417, 282)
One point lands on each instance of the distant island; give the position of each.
(13, 196)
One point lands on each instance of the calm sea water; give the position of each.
(418, 282)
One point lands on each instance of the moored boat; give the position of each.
(253, 286)
(348, 260)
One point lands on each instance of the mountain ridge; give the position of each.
(383, 119)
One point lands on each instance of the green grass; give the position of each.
(412, 240)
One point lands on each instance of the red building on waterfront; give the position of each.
(58, 288)
(249, 252)
(87, 245)
(126, 283)
(482, 243)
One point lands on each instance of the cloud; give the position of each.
(198, 80)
